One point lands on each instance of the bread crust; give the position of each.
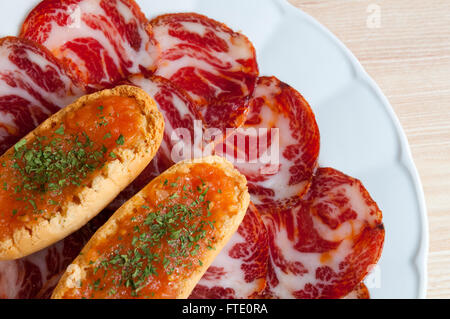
(76, 272)
(107, 184)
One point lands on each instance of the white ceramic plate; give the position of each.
(360, 133)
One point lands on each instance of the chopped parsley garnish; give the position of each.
(52, 166)
(180, 227)
(52, 163)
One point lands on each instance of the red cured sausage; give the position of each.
(215, 65)
(179, 112)
(275, 183)
(33, 86)
(101, 41)
(240, 270)
(325, 245)
(360, 292)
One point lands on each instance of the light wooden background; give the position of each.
(408, 55)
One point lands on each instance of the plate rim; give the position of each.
(406, 158)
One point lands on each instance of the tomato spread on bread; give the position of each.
(40, 174)
(161, 243)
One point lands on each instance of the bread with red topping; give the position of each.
(74, 164)
(161, 242)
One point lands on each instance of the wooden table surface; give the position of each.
(405, 46)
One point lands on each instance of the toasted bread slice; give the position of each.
(160, 243)
(70, 167)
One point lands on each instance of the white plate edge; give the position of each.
(406, 156)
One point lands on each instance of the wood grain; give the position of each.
(408, 55)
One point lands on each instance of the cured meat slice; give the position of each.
(33, 85)
(278, 147)
(215, 65)
(179, 141)
(360, 292)
(240, 270)
(101, 41)
(180, 114)
(35, 276)
(325, 245)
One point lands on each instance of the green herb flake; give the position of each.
(20, 144)
(120, 140)
(52, 202)
(60, 131)
(33, 203)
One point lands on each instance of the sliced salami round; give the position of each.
(240, 270)
(101, 41)
(325, 245)
(360, 292)
(33, 86)
(278, 147)
(214, 64)
(179, 140)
